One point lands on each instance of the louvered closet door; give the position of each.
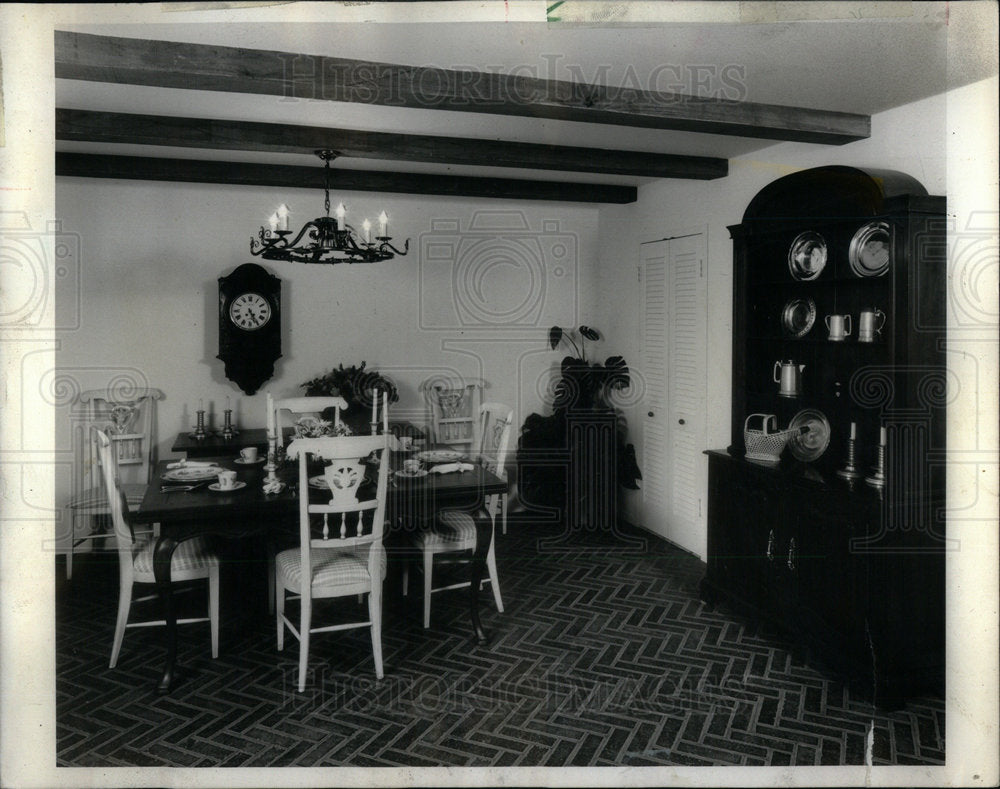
(674, 338)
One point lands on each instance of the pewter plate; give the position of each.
(810, 445)
(807, 255)
(869, 253)
(798, 316)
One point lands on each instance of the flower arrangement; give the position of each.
(311, 427)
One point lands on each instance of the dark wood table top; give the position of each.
(252, 501)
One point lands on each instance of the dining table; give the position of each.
(249, 511)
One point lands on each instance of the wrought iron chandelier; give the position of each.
(328, 239)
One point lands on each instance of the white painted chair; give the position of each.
(191, 560)
(297, 407)
(454, 407)
(129, 423)
(455, 530)
(343, 554)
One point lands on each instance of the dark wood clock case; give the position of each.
(249, 355)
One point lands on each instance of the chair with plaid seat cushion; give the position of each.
(340, 552)
(454, 531)
(191, 559)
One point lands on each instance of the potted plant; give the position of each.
(356, 385)
(547, 448)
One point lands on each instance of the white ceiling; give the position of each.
(852, 65)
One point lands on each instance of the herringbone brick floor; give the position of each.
(605, 656)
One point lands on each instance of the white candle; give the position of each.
(283, 216)
(273, 222)
(385, 414)
(270, 415)
(366, 228)
(374, 406)
(229, 406)
(383, 224)
(201, 404)
(854, 431)
(340, 213)
(881, 437)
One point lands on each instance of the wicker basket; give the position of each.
(764, 445)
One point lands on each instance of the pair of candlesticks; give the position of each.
(227, 432)
(850, 472)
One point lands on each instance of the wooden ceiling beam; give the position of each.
(313, 77)
(124, 128)
(252, 174)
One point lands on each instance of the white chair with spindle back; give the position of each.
(192, 560)
(301, 406)
(335, 562)
(128, 419)
(455, 530)
(454, 408)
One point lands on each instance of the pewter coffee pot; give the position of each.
(788, 376)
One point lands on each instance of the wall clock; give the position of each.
(249, 325)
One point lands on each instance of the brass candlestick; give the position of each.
(271, 482)
(227, 428)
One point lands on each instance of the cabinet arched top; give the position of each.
(831, 192)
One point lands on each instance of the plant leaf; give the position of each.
(555, 336)
(590, 334)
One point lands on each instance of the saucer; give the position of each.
(243, 462)
(215, 486)
(404, 474)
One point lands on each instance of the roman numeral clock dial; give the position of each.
(249, 325)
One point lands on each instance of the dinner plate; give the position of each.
(798, 316)
(869, 250)
(812, 444)
(242, 462)
(236, 486)
(807, 255)
(192, 473)
(404, 474)
(439, 456)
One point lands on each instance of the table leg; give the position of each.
(163, 554)
(484, 536)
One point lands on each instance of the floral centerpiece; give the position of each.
(311, 427)
(356, 384)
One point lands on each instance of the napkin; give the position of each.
(449, 468)
(273, 486)
(190, 464)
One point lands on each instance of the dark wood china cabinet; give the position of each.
(850, 565)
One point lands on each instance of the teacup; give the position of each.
(406, 443)
(411, 466)
(227, 480)
(248, 454)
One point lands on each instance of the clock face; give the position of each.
(250, 311)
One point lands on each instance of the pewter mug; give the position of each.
(867, 328)
(789, 377)
(839, 326)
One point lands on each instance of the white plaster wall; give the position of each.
(912, 139)
(144, 306)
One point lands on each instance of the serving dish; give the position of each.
(798, 317)
(810, 444)
(869, 250)
(807, 255)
